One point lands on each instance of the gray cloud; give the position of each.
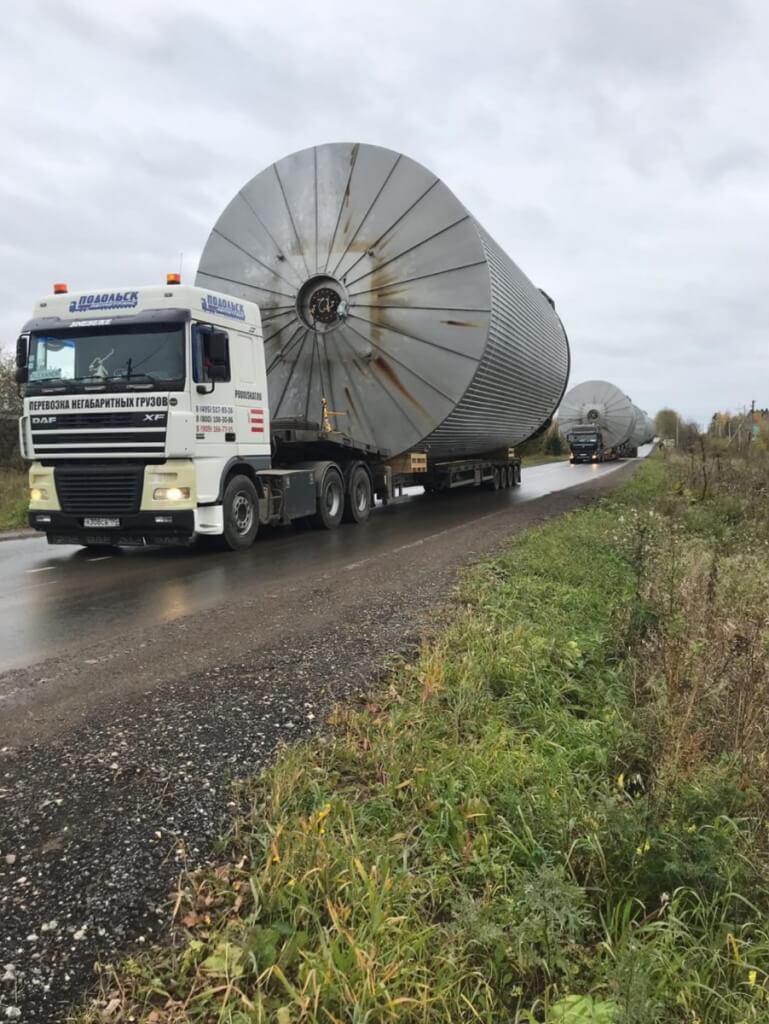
(615, 150)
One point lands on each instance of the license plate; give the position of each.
(99, 523)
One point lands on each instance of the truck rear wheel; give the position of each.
(330, 501)
(241, 513)
(357, 505)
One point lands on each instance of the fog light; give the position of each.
(171, 493)
(38, 494)
(42, 519)
(164, 520)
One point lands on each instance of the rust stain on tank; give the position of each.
(459, 323)
(381, 364)
(353, 158)
(348, 396)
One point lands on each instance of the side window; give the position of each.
(210, 354)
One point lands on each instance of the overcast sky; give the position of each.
(617, 150)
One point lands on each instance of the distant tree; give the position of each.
(10, 402)
(554, 443)
(667, 422)
(741, 429)
(670, 424)
(10, 410)
(688, 434)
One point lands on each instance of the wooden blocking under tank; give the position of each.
(409, 462)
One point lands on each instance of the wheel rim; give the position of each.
(360, 496)
(333, 499)
(242, 513)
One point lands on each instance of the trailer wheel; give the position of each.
(357, 503)
(497, 479)
(509, 476)
(241, 513)
(330, 501)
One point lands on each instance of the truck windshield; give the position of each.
(121, 358)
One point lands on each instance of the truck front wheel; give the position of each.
(330, 501)
(241, 513)
(357, 505)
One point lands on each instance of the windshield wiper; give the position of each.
(50, 384)
(129, 378)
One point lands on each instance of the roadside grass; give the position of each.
(13, 498)
(557, 813)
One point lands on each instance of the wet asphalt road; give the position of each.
(56, 600)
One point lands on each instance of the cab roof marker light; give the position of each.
(60, 288)
(173, 278)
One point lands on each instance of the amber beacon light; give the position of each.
(60, 289)
(173, 278)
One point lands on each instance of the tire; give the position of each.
(357, 502)
(241, 513)
(330, 501)
(509, 477)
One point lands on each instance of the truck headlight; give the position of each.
(38, 494)
(171, 493)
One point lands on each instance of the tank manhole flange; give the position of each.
(322, 303)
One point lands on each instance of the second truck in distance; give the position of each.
(601, 423)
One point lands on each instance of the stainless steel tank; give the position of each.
(638, 436)
(382, 296)
(649, 429)
(597, 403)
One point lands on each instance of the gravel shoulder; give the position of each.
(117, 763)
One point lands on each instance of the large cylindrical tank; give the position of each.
(649, 429)
(638, 436)
(597, 403)
(383, 296)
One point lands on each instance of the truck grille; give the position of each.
(111, 433)
(101, 490)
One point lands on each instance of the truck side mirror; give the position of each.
(216, 347)
(22, 348)
(218, 372)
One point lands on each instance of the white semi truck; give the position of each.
(352, 330)
(147, 422)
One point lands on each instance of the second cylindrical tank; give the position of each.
(599, 404)
(384, 301)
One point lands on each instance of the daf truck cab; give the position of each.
(145, 419)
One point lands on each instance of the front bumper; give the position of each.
(134, 531)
